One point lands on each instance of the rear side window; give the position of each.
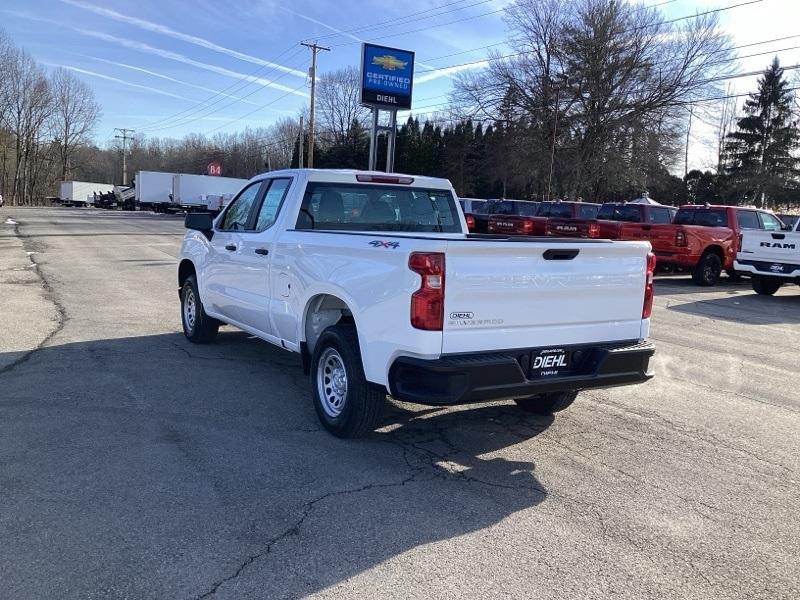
(526, 209)
(660, 216)
(747, 219)
(561, 211)
(237, 216)
(587, 211)
(708, 217)
(619, 212)
(367, 207)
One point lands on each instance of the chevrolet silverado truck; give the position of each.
(772, 258)
(705, 239)
(374, 281)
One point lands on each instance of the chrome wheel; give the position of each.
(189, 309)
(332, 382)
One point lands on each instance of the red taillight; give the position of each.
(680, 239)
(594, 230)
(427, 303)
(647, 309)
(527, 227)
(384, 179)
(470, 222)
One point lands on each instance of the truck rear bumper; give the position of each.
(480, 377)
(778, 270)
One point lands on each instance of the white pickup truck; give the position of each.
(375, 281)
(772, 258)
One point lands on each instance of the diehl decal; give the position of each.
(778, 245)
(384, 244)
(461, 315)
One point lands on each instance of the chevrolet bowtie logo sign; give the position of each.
(389, 62)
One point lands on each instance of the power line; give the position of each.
(313, 73)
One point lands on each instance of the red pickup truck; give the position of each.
(572, 220)
(705, 239)
(634, 221)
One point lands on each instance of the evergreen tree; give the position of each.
(759, 161)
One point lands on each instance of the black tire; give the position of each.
(707, 270)
(765, 286)
(359, 401)
(198, 327)
(547, 404)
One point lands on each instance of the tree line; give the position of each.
(593, 100)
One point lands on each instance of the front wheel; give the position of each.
(765, 286)
(198, 327)
(547, 404)
(707, 270)
(347, 405)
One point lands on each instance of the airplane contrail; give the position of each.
(116, 80)
(191, 39)
(168, 78)
(422, 79)
(189, 61)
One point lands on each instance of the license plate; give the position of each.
(550, 362)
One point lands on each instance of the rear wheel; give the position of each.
(707, 270)
(546, 404)
(347, 404)
(198, 327)
(765, 286)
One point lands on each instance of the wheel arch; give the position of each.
(186, 268)
(322, 310)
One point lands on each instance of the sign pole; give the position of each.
(392, 133)
(373, 140)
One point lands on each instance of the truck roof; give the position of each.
(349, 176)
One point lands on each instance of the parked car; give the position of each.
(497, 212)
(349, 269)
(705, 239)
(772, 258)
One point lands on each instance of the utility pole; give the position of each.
(313, 74)
(124, 137)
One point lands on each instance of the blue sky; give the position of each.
(150, 59)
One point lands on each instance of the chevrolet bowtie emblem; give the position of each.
(389, 62)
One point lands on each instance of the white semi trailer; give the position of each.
(202, 192)
(154, 190)
(81, 193)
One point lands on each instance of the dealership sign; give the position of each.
(386, 77)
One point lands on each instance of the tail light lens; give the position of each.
(647, 309)
(680, 239)
(427, 303)
(470, 222)
(527, 226)
(594, 230)
(741, 239)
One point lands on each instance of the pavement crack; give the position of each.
(50, 294)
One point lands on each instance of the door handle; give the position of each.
(231, 247)
(261, 251)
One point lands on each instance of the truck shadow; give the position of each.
(205, 466)
(748, 309)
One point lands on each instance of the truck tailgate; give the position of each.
(770, 246)
(502, 295)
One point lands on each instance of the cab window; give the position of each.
(660, 216)
(237, 216)
(747, 219)
(271, 203)
(770, 222)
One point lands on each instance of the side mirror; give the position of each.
(202, 222)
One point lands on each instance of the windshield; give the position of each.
(366, 207)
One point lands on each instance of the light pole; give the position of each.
(563, 81)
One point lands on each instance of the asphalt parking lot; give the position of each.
(136, 465)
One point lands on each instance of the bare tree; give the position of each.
(75, 114)
(338, 104)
